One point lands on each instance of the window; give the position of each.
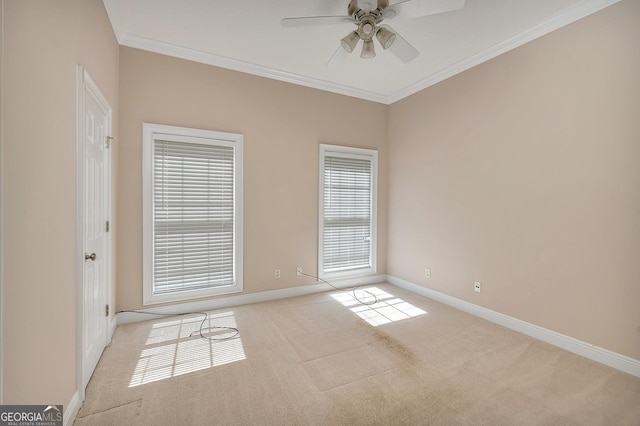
(348, 182)
(192, 209)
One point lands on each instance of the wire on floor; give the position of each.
(201, 330)
(353, 290)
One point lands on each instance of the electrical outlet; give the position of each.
(477, 287)
(276, 273)
(427, 273)
(299, 270)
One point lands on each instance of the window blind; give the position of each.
(347, 213)
(193, 216)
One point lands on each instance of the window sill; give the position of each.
(351, 273)
(191, 294)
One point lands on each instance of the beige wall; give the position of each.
(282, 126)
(43, 43)
(524, 174)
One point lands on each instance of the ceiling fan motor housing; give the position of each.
(367, 27)
(367, 23)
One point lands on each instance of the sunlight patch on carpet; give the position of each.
(388, 308)
(177, 348)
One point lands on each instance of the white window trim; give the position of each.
(149, 134)
(360, 153)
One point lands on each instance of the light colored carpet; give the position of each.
(325, 360)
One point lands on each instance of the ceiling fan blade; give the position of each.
(307, 21)
(401, 47)
(338, 58)
(417, 8)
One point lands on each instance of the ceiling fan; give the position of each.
(368, 20)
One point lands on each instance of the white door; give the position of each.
(96, 130)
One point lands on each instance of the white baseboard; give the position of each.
(113, 323)
(243, 299)
(587, 350)
(71, 409)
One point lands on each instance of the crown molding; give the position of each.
(182, 52)
(565, 17)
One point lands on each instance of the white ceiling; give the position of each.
(246, 36)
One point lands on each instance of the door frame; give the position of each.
(86, 84)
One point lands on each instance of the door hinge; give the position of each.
(106, 310)
(107, 141)
(106, 226)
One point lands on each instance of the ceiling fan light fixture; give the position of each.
(385, 37)
(350, 41)
(368, 51)
(383, 4)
